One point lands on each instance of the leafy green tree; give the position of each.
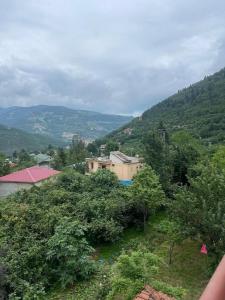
(157, 154)
(69, 253)
(105, 215)
(172, 234)
(77, 152)
(72, 181)
(147, 193)
(219, 157)
(132, 271)
(23, 156)
(14, 155)
(104, 180)
(24, 160)
(200, 209)
(111, 146)
(187, 151)
(50, 150)
(93, 149)
(4, 166)
(60, 159)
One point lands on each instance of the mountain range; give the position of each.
(199, 109)
(60, 122)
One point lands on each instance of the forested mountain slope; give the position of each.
(12, 139)
(200, 109)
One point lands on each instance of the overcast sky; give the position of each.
(115, 56)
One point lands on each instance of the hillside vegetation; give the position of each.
(90, 237)
(71, 234)
(12, 139)
(199, 109)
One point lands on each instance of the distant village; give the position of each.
(43, 167)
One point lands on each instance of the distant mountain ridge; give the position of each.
(12, 139)
(199, 108)
(61, 122)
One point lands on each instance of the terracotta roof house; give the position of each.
(151, 294)
(25, 179)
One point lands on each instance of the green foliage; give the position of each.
(111, 146)
(176, 292)
(200, 209)
(92, 149)
(72, 181)
(68, 252)
(12, 139)
(60, 159)
(4, 166)
(42, 246)
(171, 233)
(157, 154)
(219, 157)
(199, 109)
(77, 152)
(186, 152)
(47, 232)
(104, 179)
(24, 160)
(147, 193)
(132, 271)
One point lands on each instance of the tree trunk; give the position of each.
(144, 222)
(171, 252)
(144, 219)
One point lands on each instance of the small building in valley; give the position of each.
(25, 179)
(125, 167)
(43, 160)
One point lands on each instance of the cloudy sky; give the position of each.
(115, 56)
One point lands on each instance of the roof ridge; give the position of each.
(122, 156)
(31, 176)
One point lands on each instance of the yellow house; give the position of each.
(125, 167)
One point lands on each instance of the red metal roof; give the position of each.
(29, 175)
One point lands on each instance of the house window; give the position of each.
(103, 166)
(92, 165)
(113, 165)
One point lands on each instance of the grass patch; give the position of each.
(189, 268)
(110, 251)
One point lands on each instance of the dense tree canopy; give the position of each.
(132, 271)
(147, 193)
(47, 233)
(200, 209)
(4, 166)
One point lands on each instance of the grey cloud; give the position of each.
(111, 56)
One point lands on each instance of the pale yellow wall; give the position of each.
(123, 171)
(96, 166)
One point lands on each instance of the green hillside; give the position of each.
(199, 108)
(12, 139)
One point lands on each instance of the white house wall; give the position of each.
(7, 188)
